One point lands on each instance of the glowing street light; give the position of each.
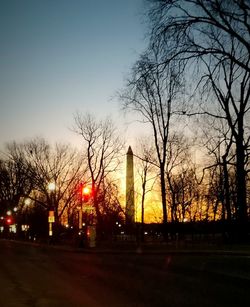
(51, 215)
(27, 201)
(51, 186)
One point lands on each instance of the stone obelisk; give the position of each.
(130, 202)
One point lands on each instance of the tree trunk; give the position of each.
(226, 196)
(241, 182)
(164, 201)
(142, 210)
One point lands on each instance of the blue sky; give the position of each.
(60, 56)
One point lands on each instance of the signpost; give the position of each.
(51, 220)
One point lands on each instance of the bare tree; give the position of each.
(14, 182)
(102, 149)
(59, 166)
(233, 97)
(191, 29)
(218, 141)
(212, 38)
(110, 207)
(148, 173)
(181, 176)
(151, 93)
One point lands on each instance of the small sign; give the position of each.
(51, 217)
(87, 208)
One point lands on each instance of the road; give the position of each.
(33, 275)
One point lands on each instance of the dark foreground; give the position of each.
(32, 275)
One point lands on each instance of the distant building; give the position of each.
(130, 202)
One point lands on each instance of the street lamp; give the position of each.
(27, 201)
(9, 212)
(51, 186)
(51, 215)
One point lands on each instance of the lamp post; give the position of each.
(51, 215)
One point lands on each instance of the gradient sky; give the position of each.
(60, 56)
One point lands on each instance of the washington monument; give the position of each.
(130, 203)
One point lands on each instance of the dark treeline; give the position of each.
(36, 177)
(195, 75)
(191, 89)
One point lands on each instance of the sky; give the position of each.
(62, 56)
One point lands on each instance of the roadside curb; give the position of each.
(140, 250)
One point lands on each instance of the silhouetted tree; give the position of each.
(102, 150)
(147, 170)
(152, 93)
(44, 164)
(211, 39)
(181, 177)
(15, 180)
